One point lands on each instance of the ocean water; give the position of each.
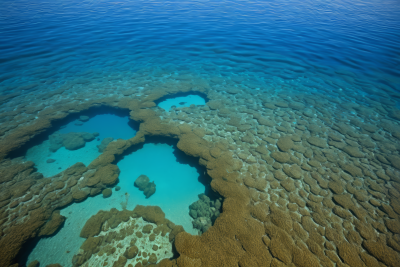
(105, 43)
(340, 59)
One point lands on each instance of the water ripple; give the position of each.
(361, 36)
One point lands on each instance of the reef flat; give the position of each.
(307, 178)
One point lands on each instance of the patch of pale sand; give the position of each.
(54, 249)
(143, 244)
(63, 157)
(185, 100)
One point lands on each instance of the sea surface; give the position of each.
(278, 41)
(343, 51)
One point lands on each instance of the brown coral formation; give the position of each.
(301, 187)
(126, 237)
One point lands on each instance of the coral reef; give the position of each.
(204, 212)
(142, 236)
(315, 186)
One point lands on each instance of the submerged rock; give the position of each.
(131, 252)
(80, 195)
(84, 118)
(34, 263)
(89, 137)
(150, 189)
(353, 151)
(93, 226)
(285, 143)
(144, 184)
(204, 212)
(53, 225)
(202, 223)
(104, 143)
(395, 160)
(71, 141)
(316, 141)
(147, 229)
(50, 160)
(56, 141)
(107, 193)
(281, 157)
(141, 182)
(120, 262)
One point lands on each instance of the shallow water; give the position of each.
(339, 60)
(106, 126)
(177, 187)
(183, 101)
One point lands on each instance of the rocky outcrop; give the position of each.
(71, 141)
(144, 184)
(56, 221)
(107, 192)
(204, 212)
(104, 143)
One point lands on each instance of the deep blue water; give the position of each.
(289, 40)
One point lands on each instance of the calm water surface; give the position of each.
(290, 40)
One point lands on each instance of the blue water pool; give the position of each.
(182, 101)
(177, 186)
(106, 125)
